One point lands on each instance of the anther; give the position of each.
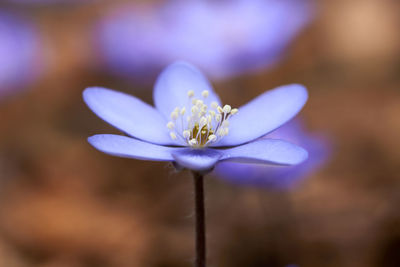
(204, 94)
(190, 93)
(193, 142)
(173, 135)
(212, 138)
(203, 121)
(234, 111)
(227, 109)
(170, 125)
(195, 109)
(174, 115)
(226, 131)
(199, 103)
(220, 132)
(214, 105)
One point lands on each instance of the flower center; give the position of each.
(201, 125)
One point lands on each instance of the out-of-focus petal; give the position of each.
(173, 84)
(197, 159)
(224, 38)
(20, 53)
(126, 147)
(264, 114)
(267, 151)
(278, 177)
(128, 114)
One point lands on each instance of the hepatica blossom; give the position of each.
(224, 38)
(191, 127)
(19, 53)
(49, 2)
(278, 177)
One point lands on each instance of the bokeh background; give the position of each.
(62, 203)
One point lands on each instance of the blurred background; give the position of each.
(62, 203)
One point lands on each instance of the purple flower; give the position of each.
(189, 126)
(275, 176)
(19, 53)
(223, 37)
(49, 2)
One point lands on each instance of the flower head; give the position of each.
(277, 177)
(225, 38)
(191, 127)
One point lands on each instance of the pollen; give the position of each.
(212, 137)
(193, 142)
(170, 125)
(173, 135)
(227, 108)
(195, 110)
(190, 93)
(206, 122)
(174, 115)
(204, 94)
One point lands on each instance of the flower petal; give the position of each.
(173, 84)
(197, 159)
(264, 114)
(128, 114)
(126, 147)
(269, 151)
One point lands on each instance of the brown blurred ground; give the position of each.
(64, 204)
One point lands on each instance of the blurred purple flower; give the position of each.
(223, 37)
(193, 132)
(19, 53)
(49, 2)
(276, 176)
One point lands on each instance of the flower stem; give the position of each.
(200, 220)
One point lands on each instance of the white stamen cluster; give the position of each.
(201, 125)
